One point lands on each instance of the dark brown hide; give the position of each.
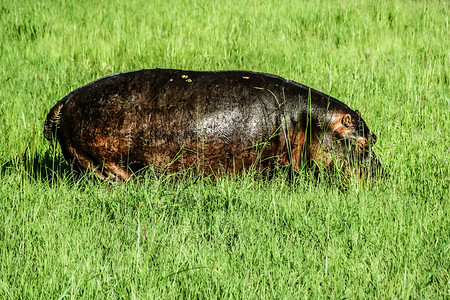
(212, 122)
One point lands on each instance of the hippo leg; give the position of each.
(78, 158)
(114, 171)
(82, 161)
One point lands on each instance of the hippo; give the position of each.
(208, 122)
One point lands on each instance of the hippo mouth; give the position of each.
(371, 166)
(359, 156)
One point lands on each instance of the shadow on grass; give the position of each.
(46, 167)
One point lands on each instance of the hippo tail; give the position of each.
(52, 122)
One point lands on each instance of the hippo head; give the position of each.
(350, 130)
(348, 137)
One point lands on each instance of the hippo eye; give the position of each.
(361, 128)
(364, 131)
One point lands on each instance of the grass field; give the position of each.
(68, 236)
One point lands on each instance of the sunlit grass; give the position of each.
(69, 235)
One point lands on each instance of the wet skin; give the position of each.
(209, 122)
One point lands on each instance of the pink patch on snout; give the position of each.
(363, 145)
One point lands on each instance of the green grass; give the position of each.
(66, 236)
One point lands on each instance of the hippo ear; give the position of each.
(347, 120)
(358, 113)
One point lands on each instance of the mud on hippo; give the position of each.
(210, 122)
